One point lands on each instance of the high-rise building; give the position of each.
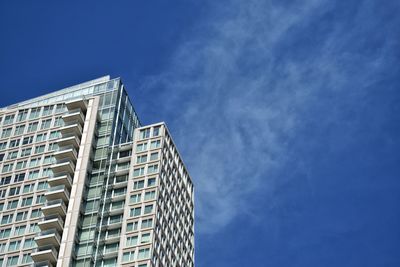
(83, 183)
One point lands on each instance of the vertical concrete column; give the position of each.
(72, 217)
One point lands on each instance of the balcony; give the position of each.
(69, 141)
(44, 256)
(49, 237)
(75, 115)
(60, 179)
(67, 152)
(64, 166)
(57, 192)
(77, 104)
(70, 129)
(54, 207)
(51, 222)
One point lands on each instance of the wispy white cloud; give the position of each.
(238, 94)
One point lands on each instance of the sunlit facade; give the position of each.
(83, 183)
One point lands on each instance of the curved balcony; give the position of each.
(48, 238)
(72, 128)
(69, 140)
(63, 166)
(60, 179)
(57, 192)
(44, 255)
(66, 152)
(54, 221)
(75, 115)
(54, 207)
(76, 104)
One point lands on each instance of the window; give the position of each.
(54, 135)
(22, 114)
(12, 260)
(48, 160)
(34, 228)
(40, 199)
(123, 166)
(35, 112)
(145, 133)
(5, 180)
(151, 182)
(3, 193)
(58, 122)
(156, 131)
(26, 258)
(32, 127)
(141, 147)
(143, 253)
(124, 154)
(60, 108)
(14, 245)
(155, 144)
(138, 172)
(29, 243)
(3, 145)
(135, 198)
(19, 129)
(14, 143)
(45, 124)
(52, 147)
(42, 185)
(141, 159)
(28, 188)
(47, 172)
(135, 211)
(138, 184)
(41, 137)
(12, 154)
(14, 191)
(152, 168)
(6, 133)
(128, 256)
(133, 226)
(27, 201)
(33, 175)
(147, 223)
(131, 241)
(5, 233)
(154, 156)
(148, 209)
(8, 119)
(39, 149)
(19, 177)
(26, 152)
(1, 157)
(7, 218)
(21, 216)
(145, 238)
(27, 140)
(34, 162)
(36, 213)
(150, 195)
(47, 110)
(12, 204)
(21, 164)
(19, 230)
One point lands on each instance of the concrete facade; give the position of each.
(82, 183)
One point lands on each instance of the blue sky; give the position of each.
(286, 112)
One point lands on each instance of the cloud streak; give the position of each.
(243, 85)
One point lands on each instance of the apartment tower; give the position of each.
(83, 183)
